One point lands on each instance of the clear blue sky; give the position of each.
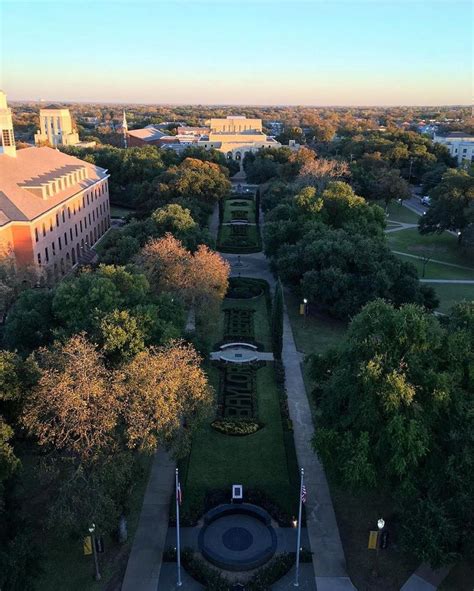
(318, 52)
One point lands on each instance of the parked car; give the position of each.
(426, 200)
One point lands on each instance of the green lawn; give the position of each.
(64, 564)
(265, 460)
(438, 270)
(257, 461)
(451, 293)
(400, 213)
(443, 247)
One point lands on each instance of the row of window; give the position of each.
(94, 235)
(76, 230)
(85, 198)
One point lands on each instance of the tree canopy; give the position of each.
(397, 413)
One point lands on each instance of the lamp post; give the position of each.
(305, 309)
(94, 552)
(459, 236)
(380, 526)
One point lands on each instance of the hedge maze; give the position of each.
(238, 324)
(238, 389)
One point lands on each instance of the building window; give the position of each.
(89, 218)
(85, 222)
(57, 219)
(87, 198)
(44, 229)
(46, 254)
(50, 224)
(70, 232)
(69, 212)
(73, 254)
(80, 225)
(93, 215)
(59, 243)
(65, 238)
(64, 217)
(83, 201)
(53, 245)
(75, 227)
(36, 235)
(39, 258)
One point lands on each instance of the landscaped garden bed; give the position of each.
(261, 461)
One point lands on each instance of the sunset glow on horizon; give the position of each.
(308, 53)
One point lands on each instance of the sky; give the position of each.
(267, 52)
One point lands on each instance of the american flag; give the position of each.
(179, 496)
(303, 493)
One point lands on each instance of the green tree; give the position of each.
(396, 414)
(452, 206)
(30, 321)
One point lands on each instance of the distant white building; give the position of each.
(56, 128)
(459, 144)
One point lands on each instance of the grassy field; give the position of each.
(261, 460)
(438, 270)
(450, 294)
(400, 213)
(63, 563)
(442, 247)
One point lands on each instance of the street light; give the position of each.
(380, 525)
(305, 310)
(94, 552)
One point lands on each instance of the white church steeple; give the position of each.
(124, 130)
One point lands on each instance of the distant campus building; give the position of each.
(57, 129)
(234, 136)
(459, 144)
(53, 207)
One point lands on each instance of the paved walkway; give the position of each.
(144, 562)
(400, 226)
(425, 579)
(416, 256)
(328, 554)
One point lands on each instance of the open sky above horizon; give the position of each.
(313, 52)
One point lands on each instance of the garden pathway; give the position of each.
(328, 554)
(144, 562)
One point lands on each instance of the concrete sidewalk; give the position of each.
(328, 554)
(144, 562)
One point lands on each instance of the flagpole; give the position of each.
(178, 542)
(298, 542)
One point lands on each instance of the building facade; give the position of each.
(460, 146)
(56, 128)
(53, 208)
(234, 136)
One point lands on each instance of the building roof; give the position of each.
(147, 134)
(21, 177)
(456, 135)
